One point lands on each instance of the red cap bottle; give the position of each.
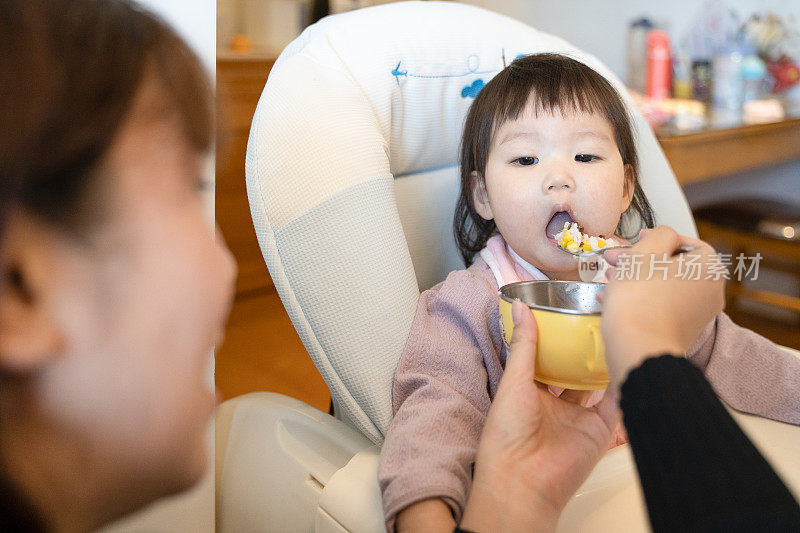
(659, 65)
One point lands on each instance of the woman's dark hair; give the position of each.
(548, 82)
(69, 72)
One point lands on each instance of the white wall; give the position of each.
(195, 21)
(600, 27)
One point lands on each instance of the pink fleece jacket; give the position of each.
(451, 366)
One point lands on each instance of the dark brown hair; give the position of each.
(548, 82)
(69, 72)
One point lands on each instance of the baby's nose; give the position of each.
(558, 180)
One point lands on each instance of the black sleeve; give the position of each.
(698, 471)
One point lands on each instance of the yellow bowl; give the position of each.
(570, 351)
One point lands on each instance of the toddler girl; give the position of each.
(546, 141)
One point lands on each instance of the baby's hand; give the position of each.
(620, 437)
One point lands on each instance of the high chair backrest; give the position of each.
(352, 177)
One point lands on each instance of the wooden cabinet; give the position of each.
(240, 80)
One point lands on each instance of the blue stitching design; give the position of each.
(396, 72)
(468, 91)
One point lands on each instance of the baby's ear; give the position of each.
(628, 187)
(480, 197)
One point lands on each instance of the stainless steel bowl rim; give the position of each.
(545, 307)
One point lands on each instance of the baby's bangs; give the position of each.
(544, 89)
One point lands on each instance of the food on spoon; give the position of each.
(572, 239)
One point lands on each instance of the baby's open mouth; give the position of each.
(568, 235)
(556, 223)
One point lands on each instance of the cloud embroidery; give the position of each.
(471, 91)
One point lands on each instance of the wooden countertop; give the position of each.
(729, 146)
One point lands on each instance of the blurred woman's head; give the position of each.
(112, 289)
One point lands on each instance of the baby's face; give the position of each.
(542, 165)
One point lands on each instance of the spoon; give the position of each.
(681, 250)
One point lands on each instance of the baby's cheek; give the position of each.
(603, 209)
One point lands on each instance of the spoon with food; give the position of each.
(573, 241)
(579, 244)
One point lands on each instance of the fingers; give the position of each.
(698, 247)
(522, 352)
(690, 242)
(579, 397)
(612, 256)
(659, 240)
(665, 234)
(608, 409)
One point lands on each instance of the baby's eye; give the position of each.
(585, 158)
(526, 161)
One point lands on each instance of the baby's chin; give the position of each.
(562, 274)
(557, 265)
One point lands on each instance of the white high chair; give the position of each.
(352, 177)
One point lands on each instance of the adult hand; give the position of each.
(662, 307)
(536, 449)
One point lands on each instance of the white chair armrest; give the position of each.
(274, 457)
(351, 501)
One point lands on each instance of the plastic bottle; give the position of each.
(701, 80)
(727, 77)
(753, 74)
(682, 79)
(637, 54)
(659, 65)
